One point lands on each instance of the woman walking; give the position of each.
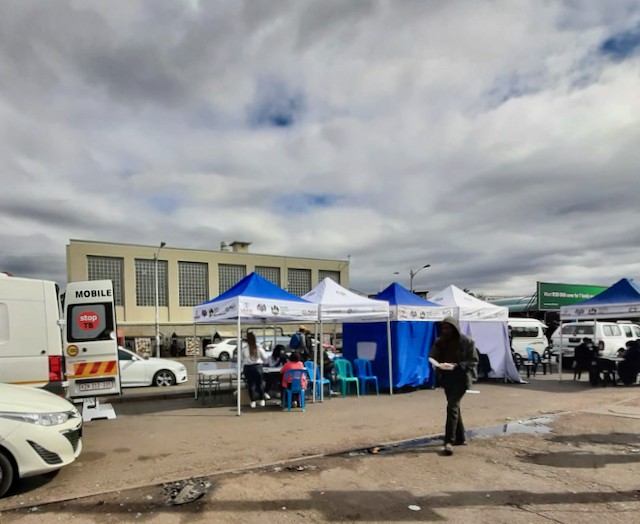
(254, 357)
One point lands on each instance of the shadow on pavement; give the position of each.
(349, 506)
(580, 459)
(625, 439)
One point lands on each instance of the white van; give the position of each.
(81, 360)
(30, 334)
(527, 333)
(615, 336)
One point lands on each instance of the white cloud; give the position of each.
(493, 141)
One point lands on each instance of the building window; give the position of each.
(193, 284)
(299, 281)
(272, 274)
(325, 273)
(108, 268)
(229, 275)
(146, 283)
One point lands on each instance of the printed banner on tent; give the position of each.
(552, 296)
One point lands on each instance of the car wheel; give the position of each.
(164, 377)
(224, 356)
(6, 474)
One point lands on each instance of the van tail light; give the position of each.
(56, 373)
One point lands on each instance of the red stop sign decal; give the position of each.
(88, 320)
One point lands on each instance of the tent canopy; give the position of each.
(405, 305)
(412, 335)
(622, 300)
(339, 304)
(487, 325)
(470, 308)
(256, 299)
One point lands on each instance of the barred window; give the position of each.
(193, 283)
(325, 273)
(108, 268)
(272, 274)
(146, 283)
(229, 275)
(299, 281)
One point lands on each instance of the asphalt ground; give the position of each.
(155, 442)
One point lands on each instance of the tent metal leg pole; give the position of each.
(315, 364)
(195, 361)
(321, 363)
(238, 362)
(389, 352)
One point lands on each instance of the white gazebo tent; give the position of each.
(254, 299)
(487, 324)
(338, 304)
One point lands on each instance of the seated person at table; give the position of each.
(628, 369)
(295, 362)
(277, 359)
(583, 357)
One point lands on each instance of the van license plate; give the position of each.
(92, 386)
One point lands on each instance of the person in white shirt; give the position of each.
(254, 356)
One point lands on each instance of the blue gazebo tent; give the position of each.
(412, 334)
(621, 300)
(256, 300)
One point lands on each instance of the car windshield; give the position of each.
(577, 329)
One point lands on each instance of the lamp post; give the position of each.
(414, 273)
(155, 267)
(380, 282)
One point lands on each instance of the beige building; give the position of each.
(186, 277)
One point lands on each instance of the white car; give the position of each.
(226, 349)
(222, 350)
(139, 371)
(39, 432)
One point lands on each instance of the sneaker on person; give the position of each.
(448, 449)
(253, 404)
(262, 403)
(294, 404)
(267, 396)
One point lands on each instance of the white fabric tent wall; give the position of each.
(336, 303)
(486, 324)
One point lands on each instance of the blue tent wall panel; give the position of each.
(410, 343)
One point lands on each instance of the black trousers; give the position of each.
(255, 382)
(455, 386)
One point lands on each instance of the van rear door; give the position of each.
(91, 346)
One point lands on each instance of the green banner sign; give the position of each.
(551, 296)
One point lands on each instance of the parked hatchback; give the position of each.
(39, 432)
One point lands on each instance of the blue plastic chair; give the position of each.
(294, 377)
(534, 359)
(316, 379)
(364, 372)
(344, 373)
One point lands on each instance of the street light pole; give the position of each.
(414, 273)
(155, 266)
(380, 281)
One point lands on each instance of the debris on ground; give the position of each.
(301, 467)
(186, 491)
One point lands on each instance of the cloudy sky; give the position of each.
(497, 141)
